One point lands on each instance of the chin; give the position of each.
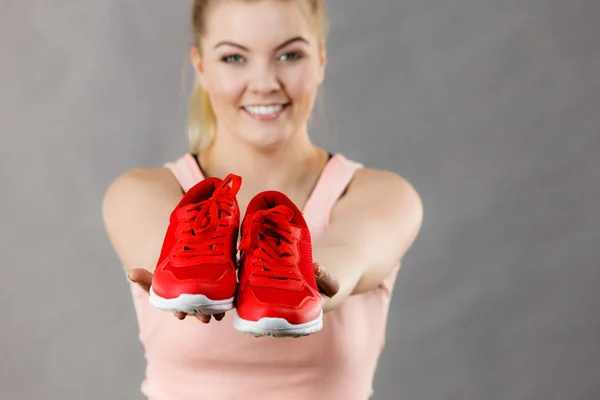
(268, 139)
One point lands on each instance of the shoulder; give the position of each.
(138, 189)
(383, 192)
(379, 202)
(382, 180)
(141, 181)
(135, 211)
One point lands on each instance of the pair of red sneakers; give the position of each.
(272, 286)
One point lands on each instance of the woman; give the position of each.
(259, 65)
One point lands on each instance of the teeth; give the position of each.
(263, 110)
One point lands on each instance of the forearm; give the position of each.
(345, 265)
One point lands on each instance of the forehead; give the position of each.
(258, 22)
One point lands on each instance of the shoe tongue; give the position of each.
(201, 191)
(275, 219)
(280, 211)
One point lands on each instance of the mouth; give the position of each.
(266, 112)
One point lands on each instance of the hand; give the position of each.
(326, 281)
(144, 279)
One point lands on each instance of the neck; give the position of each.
(295, 163)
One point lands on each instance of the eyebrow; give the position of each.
(282, 45)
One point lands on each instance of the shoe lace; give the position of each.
(204, 226)
(267, 237)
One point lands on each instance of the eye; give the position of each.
(290, 56)
(233, 59)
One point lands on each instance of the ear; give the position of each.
(322, 61)
(196, 59)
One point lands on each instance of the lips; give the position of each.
(266, 112)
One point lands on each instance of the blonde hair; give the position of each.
(202, 122)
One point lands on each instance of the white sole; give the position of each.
(190, 304)
(277, 327)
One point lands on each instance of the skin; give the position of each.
(260, 53)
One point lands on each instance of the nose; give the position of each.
(264, 79)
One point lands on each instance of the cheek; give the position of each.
(226, 84)
(301, 83)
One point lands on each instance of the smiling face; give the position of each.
(261, 63)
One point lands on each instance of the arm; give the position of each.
(135, 211)
(371, 229)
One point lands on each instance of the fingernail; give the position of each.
(319, 270)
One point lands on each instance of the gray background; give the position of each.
(491, 108)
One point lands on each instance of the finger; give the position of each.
(180, 315)
(326, 281)
(219, 316)
(142, 277)
(205, 319)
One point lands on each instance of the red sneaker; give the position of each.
(277, 291)
(196, 270)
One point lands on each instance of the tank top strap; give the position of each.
(332, 184)
(186, 171)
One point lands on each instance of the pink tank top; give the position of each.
(188, 360)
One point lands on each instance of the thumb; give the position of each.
(326, 281)
(142, 277)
